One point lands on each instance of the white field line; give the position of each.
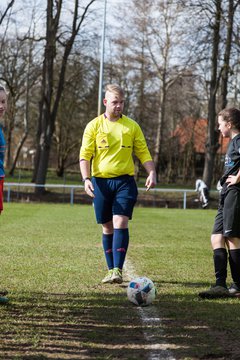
(152, 325)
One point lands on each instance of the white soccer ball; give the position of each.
(141, 291)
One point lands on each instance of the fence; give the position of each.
(72, 188)
(18, 186)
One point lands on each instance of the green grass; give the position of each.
(52, 263)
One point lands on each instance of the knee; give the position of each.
(107, 227)
(234, 243)
(120, 222)
(217, 241)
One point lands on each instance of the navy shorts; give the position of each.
(114, 196)
(227, 221)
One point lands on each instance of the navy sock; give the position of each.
(234, 262)
(220, 265)
(107, 242)
(120, 246)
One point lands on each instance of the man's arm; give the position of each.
(151, 180)
(86, 173)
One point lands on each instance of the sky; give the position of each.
(22, 11)
(26, 5)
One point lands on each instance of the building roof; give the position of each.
(195, 131)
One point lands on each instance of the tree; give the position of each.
(153, 66)
(52, 82)
(164, 41)
(212, 135)
(77, 106)
(218, 80)
(26, 114)
(228, 48)
(19, 70)
(15, 63)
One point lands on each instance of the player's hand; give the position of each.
(232, 180)
(89, 189)
(151, 181)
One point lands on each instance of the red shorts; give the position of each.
(1, 194)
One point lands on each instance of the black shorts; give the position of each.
(227, 221)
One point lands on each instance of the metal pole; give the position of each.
(72, 196)
(8, 194)
(100, 88)
(184, 200)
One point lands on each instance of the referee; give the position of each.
(107, 168)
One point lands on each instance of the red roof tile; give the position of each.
(195, 131)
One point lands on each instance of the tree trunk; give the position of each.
(43, 164)
(19, 148)
(45, 117)
(51, 99)
(212, 135)
(225, 72)
(159, 133)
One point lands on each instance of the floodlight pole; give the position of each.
(100, 88)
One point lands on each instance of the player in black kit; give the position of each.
(225, 239)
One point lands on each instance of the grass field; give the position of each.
(52, 264)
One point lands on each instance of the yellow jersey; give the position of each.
(110, 146)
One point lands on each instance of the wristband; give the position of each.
(86, 178)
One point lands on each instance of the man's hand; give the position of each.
(151, 181)
(89, 189)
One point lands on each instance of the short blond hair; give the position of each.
(114, 88)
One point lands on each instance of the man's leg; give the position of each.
(103, 211)
(107, 242)
(120, 245)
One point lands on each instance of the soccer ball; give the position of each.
(141, 291)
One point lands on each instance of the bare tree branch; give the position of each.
(6, 11)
